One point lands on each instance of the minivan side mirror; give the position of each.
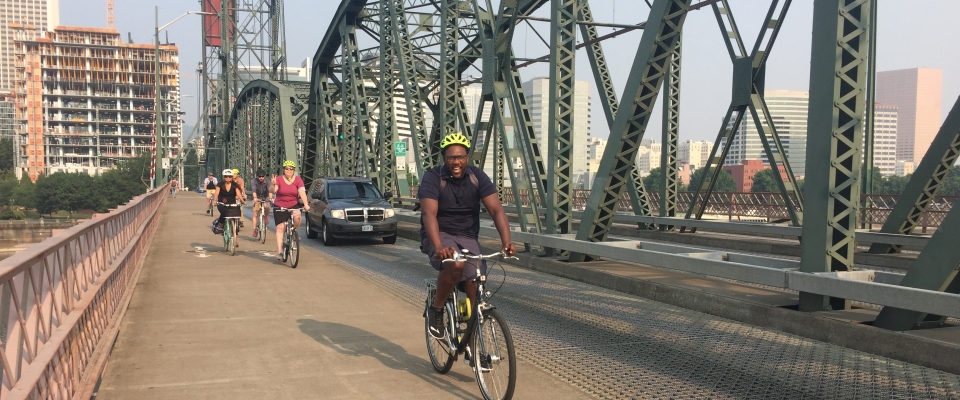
(387, 195)
(316, 196)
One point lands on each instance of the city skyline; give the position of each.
(706, 72)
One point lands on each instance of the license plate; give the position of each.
(367, 228)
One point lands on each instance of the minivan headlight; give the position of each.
(336, 214)
(388, 213)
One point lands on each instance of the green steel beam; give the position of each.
(313, 140)
(669, 175)
(329, 127)
(838, 80)
(448, 118)
(935, 269)
(533, 161)
(387, 125)
(748, 85)
(925, 182)
(352, 83)
(869, 133)
(609, 103)
(563, 41)
(649, 69)
(407, 68)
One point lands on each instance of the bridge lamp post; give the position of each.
(158, 144)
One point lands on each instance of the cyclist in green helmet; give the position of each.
(289, 192)
(450, 197)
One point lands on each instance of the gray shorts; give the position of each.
(457, 242)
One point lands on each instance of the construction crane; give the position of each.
(110, 14)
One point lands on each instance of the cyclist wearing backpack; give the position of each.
(450, 196)
(210, 184)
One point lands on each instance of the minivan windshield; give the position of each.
(353, 190)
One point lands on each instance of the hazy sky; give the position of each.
(905, 40)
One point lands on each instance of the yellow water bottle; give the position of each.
(464, 307)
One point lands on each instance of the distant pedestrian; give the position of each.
(173, 187)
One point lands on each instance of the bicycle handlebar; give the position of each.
(287, 209)
(228, 205)
(458, 257)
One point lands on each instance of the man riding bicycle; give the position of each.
(261, 193)
(450, 197)
(210, 184)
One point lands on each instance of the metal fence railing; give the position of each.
(758, 207)
(61, 301)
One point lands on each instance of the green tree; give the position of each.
(894, 184)
(412, 179)
(652, 182)
(725, 182)
(191, 170)
(47, 196)
(6, 154)
(951, 184)
(69, 192)
(24, 193)
(7, 185)
(765, 181)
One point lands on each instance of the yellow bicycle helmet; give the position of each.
(289, 163)
(236, 171)
(455, 138)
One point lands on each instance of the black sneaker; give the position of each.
(435, 322)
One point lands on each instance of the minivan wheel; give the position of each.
(328, 239)
(311, 234)
(390, 239)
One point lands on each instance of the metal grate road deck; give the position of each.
(612, 345)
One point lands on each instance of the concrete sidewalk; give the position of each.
(205, 325)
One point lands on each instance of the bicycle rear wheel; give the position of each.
(495, 362)
(293, 250)
(441, 355)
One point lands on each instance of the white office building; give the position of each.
(788, 109)
(537, 93)
(885, 139)
(694, 153)
(39, 15)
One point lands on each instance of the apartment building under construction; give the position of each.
(85, 99)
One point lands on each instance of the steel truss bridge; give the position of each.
(360, 98)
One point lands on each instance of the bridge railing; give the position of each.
(758, 207)
(61, 301)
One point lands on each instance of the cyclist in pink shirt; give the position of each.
(289, 192)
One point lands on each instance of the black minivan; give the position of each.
(344, 208)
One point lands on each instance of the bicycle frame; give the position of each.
(477, 305)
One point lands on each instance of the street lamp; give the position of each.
(158, 145)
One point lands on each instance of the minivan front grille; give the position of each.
(364, 214)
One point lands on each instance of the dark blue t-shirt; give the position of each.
(458, 210)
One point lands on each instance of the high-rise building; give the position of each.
(788, 109)
(8, 120)
(537, 93)
(917, 94)
(885, 139)
(41, 15)
(648, 156)
(86, 100)
(694, 153)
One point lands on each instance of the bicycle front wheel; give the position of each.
(232, 245)
(293, 250)
(495, 361)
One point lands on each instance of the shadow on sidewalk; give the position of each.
(357, 342)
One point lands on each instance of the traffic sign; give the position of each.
(400, 149)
